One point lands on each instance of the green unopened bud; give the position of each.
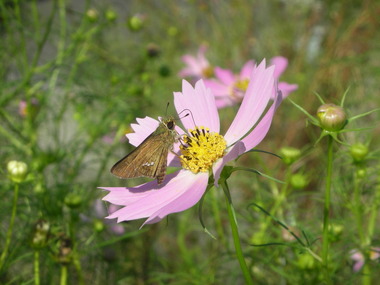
(336, 231)
(290, 154)
(136, 22)
(172, 31)
(111, 15)
(92, 15)
(73, 200)
(361, 173)
(299, 181)
(17, 171)
(164, 70)
(99, 226)
(40, 234)
(332, 117)
(359, 152)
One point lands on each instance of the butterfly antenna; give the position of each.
(190, 113)
(167, 107)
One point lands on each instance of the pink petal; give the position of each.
(247, 69)
(181, 191)
(358, 265)
(124, 195)
(287, 88)
(262, 128)
(143, 128)
(250, 141)
(217, 88)
(222, 102)
(280, 64)
(188, 199)
(256, 98)
(201, 103)
(226, 76)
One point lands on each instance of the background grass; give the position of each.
(87, 69)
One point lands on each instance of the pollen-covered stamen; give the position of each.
(200, 149)
(239, 88)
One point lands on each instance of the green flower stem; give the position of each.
(235, 235)
(365, 239)
(217, 217)
(37, 267)
(10, 228)
(358, 212)
(326, 212)
(63, 280)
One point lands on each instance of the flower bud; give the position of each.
(111, 15)
(40, 234)
(73, 200)
(29, 109)
(92, 15)
(332, 117)
(65, 250)
(153, 50)
(17, 171)
(98, 226)
(290, 154)
(299, 181)
(136, 22)
(361, 173)
(164, 71)
(172, 31)
(358, 152)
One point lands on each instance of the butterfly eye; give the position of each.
(170, 125)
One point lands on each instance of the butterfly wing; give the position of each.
(148, 159)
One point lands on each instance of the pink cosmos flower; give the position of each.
(197, 66)
(359, 259)
(230, 88)
(203, 149)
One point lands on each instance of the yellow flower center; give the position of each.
(239, 88)
(200, 149)
(208, 72)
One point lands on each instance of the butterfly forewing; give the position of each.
(150, 157)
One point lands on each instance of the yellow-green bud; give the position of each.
(111, 15)
(99, 226)
(172, 31)
(92, 15)
(17, 171)
(73, 200)
(290, 154)
(136, 22)
(299, 181)
(359, 152)
(332, 117)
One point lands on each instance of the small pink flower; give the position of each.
(230, 88)
(359, 259)
(203, 149)
(198, 66)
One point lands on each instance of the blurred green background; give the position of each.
(75, 74)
